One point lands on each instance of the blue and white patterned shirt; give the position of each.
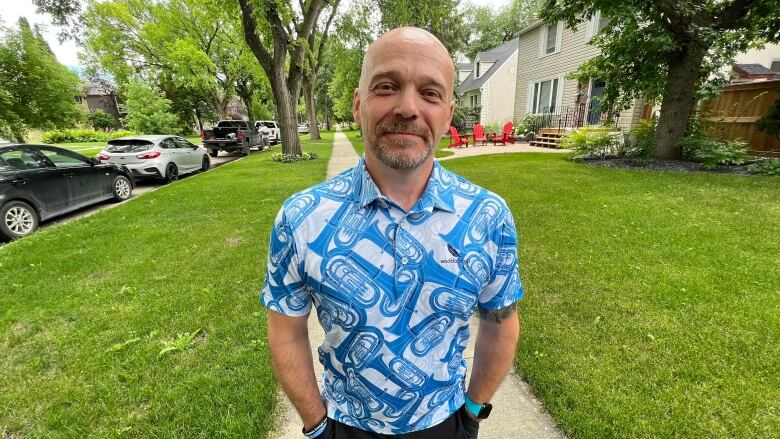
(394, 290)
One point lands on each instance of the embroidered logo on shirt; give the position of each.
(454, 252)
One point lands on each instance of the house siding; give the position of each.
(500, 92)
(573, 52)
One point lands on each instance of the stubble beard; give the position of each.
(402, 155)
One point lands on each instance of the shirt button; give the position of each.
(404, 260)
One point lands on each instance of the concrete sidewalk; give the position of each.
(517, 414)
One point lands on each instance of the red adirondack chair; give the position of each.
(506, 135)
(455, 140)
(479, 134)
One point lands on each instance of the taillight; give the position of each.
(202, 135)
(102, 157)
(148, 155)
(240, 136)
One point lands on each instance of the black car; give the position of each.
(38, 182)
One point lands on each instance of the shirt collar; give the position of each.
(437, 194)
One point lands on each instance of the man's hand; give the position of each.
(494, 351)
(288, 340)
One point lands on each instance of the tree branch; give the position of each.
(253, 40)
(732, 13)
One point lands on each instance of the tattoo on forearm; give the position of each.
(496, 315)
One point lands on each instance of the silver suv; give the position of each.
(270, 127)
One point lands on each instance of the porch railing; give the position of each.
(573, 117)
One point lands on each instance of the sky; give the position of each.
(66, 52)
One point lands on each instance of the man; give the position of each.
(396, 254)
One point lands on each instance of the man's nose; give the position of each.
(407, 104)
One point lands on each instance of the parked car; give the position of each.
(231, 136)
(303, 128)
(165, 157)
(275, 135)
(38, 182)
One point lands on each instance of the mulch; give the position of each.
(653, 164)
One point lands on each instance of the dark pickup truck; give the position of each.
(231, 136)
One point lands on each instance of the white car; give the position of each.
(274, 134)
(303, 128)
(165, 157)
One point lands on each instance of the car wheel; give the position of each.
(214, 152)
(17, 219)
(245, 151)
(122, 188)
(171, 173)
(205, 164)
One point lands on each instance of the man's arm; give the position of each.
(288, 340)
(494, 351)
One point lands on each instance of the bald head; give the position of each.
(411, 39)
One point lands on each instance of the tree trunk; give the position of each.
(311, 109)
(287, 111)
(199, 118)
(18, 134)
(247, 100)
(678, 100)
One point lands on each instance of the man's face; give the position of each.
(404, 101)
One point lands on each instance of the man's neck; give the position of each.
(403, 187)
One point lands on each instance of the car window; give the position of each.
(64, 159)
(232, 124)
(181, 143)
(167, 144)
(129, 145)
(21, 159)
(269, 124)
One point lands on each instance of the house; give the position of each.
(489, 85)
(751, 72)
(100, 94)
(549, 52)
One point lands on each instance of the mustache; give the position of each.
(403, 127)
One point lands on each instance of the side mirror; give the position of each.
(95, 161)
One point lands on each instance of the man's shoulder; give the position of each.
(323, 196)
(462, 188)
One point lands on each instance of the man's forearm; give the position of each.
(293, 367)
(494, 352)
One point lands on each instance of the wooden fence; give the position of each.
(733, 115)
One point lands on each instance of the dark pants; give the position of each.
(457, 426)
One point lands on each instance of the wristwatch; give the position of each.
(480, 411)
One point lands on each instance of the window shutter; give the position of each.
(558, 37)
(530, 101)
(559, 97)
(542, 39)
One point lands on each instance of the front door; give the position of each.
(594, 101)
(86, 181)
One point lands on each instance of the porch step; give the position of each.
(548, 138)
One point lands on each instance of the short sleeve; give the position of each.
(504, 287)
(284, 290)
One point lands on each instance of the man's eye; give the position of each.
(384, 87)
(431, 94)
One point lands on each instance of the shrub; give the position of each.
(290, 158)
(770, 123)
(711, 151)
(493, 127)
(99, 119)
(766, 167)
(81, 135)
(531, 123)
(148, 111)
(640, 142)
(589, 140)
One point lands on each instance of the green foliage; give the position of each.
(590, 140)
(490, 28)
(770, 123)
(493, 127)
(148, 112)
(290, 158)
(82, 135)
(439, 17)
(531, 123)
(463, 115)
(766, 167)
(36, 91)
(640, 142)
(99, 119)
(182, 341)
(712, 152)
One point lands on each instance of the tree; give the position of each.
(100, 120)
(490, 28)
(439, 17)
(667, 49)
(314, 59)
(280, 49)
(36, 91)
(148, 111)
(770, 123)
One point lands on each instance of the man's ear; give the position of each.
(356, 105)
(452, 114)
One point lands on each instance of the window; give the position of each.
(544, 96)
(64, 159)
(550, 38)
(20, 160)
(181, 143)
(477, 75)
(775, 65)
(597, 22)
(473, 100)
(167, 144)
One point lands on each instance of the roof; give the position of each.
(464, 66)
(98, 88)
(754, 69)
(498, 56)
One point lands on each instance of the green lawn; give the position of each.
(652, 303)
(87, 307)
(357, 143)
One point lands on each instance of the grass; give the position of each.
(143, 320)
(652, 303)
(357, 143)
